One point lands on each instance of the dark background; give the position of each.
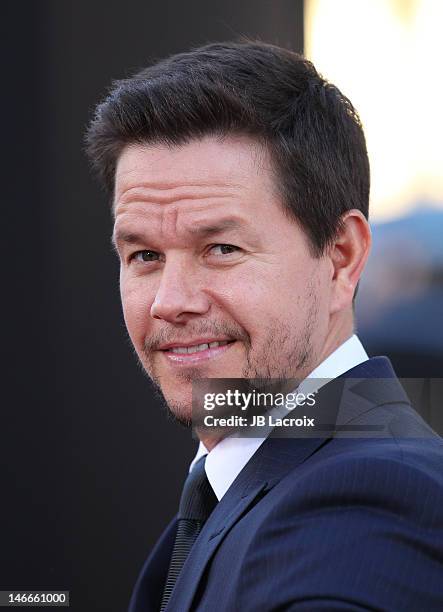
(91, 468)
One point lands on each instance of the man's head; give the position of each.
(240, 186)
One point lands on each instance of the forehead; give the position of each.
(207, 168)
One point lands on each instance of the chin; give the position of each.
(180, 413)
(179, 406)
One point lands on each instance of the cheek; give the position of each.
(278, 299)
(256, 299)
(136, 305)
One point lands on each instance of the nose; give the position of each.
(179, 294)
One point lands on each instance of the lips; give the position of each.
(195, 348)
(195, 344)
(195, 352)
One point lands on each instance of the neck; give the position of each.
(340, 330)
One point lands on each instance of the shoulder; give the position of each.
(403, 477)
(352, 526)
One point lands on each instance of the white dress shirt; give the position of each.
(230, 455)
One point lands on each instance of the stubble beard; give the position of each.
(281, 357)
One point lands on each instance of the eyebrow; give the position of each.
(208, 230)
(124, 236)
(202, 231)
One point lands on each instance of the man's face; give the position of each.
(208, 256)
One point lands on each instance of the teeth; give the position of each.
(197, 348)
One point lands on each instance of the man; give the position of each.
(240, 185)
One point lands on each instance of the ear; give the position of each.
(348, 255)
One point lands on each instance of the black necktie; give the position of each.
(196, 504)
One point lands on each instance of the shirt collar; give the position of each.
(230, 455)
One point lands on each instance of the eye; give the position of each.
(223, 249)
(145, 256)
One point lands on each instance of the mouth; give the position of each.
(196, 352)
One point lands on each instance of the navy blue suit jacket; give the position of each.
(327, 523)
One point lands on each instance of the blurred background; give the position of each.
(91, 468)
